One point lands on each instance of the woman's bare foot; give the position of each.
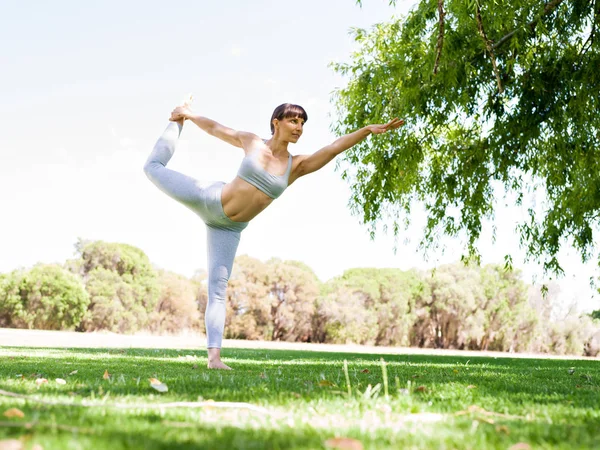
(218, 364)
(214, 359)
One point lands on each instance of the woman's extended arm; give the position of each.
(311, 163)
(233, 137)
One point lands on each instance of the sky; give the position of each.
(86, 88)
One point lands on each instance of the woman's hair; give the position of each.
(288, 110)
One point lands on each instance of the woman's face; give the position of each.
(289, 128)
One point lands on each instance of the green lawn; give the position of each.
(432, 401)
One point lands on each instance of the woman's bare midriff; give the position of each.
(241, 201)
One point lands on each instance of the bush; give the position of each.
(47, 297)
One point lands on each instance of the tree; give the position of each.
(494, 95)
(122, 285)
(176, 309)
(342, 318)
(47, 297)
(375, 306)
(293, 291)
(455, 316)
(510, 318)
(249, 315)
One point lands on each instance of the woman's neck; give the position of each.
(277, 146)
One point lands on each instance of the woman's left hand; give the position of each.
(382, 128)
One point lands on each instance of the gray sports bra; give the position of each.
(272, 185)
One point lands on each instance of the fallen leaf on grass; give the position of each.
(106, 375)
(365, 371)
(73, 373)
(195, 366)
(60, 381)
(343, 443)
(262, 375)
(14, 412)
(471, 386)
(503, 429)
(325, 383)
(40, 381)
(455, 371)
(156, 384)
(11, 444)
(520, 446)
(479, 410)
(421, 389)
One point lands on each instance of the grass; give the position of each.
(411, 401)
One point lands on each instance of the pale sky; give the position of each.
(86, 88)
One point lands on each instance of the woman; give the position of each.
(226, 208)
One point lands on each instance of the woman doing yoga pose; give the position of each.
(226, 208)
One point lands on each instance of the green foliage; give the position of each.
(595, 314)
(114, 288)
(293, 290)
(371, 306)
(513, 103)
(47, 297)
(122, 285)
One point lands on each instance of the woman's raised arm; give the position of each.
(229, 135)
(314, 162)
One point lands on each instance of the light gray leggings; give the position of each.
(223, 234)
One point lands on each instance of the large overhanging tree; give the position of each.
(494, 93)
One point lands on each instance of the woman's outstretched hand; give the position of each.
(182, 111)
(382, 128)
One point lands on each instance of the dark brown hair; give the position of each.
(286, 111)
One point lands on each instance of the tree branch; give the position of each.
(590, 39)
(596, 12)
(440, 41)
(489, 48)
(550, 6)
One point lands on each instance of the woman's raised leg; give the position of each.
(176, 185)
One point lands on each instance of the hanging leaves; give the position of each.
(514, 104)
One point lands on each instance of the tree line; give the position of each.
(114, 287)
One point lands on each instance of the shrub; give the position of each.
(47, 297)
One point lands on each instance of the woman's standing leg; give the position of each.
(222, 246)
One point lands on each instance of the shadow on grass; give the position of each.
(283, 376)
